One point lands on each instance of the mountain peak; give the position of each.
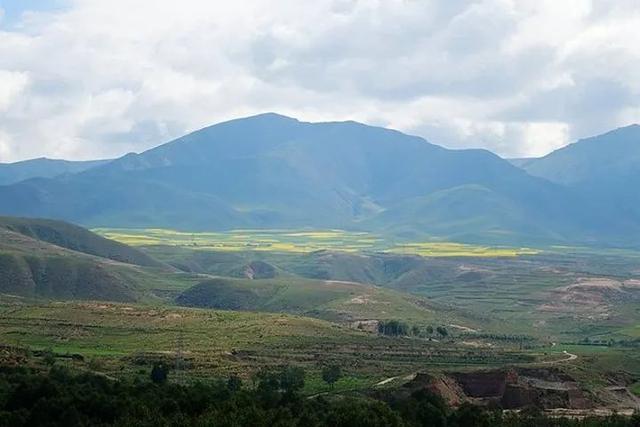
(268, 117)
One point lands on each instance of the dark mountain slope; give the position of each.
(11, 173)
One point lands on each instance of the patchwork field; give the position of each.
(302, 241)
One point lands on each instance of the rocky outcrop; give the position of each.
(508, 388)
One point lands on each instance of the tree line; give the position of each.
(399, 328)
(61, 398)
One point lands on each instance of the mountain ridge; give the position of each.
(271, 170)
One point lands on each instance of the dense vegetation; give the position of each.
(60, 398)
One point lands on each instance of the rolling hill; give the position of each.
(330, 300)
(77, 239)
(272, 171)
(56, 260)
(47, 259)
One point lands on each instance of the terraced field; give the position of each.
(125, 339)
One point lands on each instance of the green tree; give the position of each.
(442, 331)
(292, 379)
(234, 383)
(49, 357)
(393, 328)
(331, 374)
(159, 373)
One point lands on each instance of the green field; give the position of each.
(497, 289)
(301, 241)
(243, 300)
(125, 338)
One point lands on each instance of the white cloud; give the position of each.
(518, 77)
(11, 84)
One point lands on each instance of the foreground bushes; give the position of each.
(63, 399)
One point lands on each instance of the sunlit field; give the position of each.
(302, 241)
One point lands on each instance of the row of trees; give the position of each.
(626, 343)
(400, 328)
(63, 399)
(288, 380)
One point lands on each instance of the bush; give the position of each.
(159, 373)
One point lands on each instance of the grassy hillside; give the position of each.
(78, 239)
(332, 300)
(32, 267)
(127, 338)
(560, 292)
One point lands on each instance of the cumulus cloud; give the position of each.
(521, 78)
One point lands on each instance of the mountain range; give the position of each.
(10, 173)
(272, 171)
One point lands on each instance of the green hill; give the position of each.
(33, 266)
(330, 300)
(78, 239)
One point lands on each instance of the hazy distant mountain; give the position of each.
(275, 171)
(11, 173)
(612, 155)
(521, 162)
(605, 168)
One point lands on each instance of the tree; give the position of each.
(415, 330)
(331, 374)
(159, 373)
(430, 330)
(442, 331)
(234, 383)
(393, 328)
(292, 379)
(49, 357)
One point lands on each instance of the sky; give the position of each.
(85, 79)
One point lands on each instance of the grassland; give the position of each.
(502, 305)
(124, 339)
(504, 290)
(302, 241)
(342, 302)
